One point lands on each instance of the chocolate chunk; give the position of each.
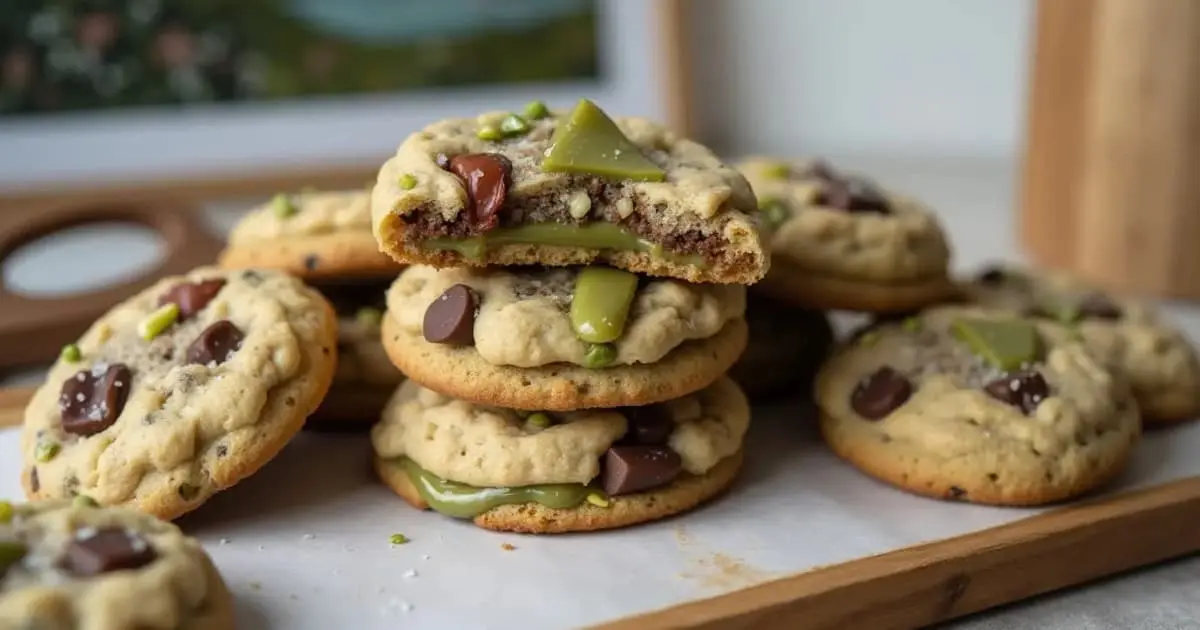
(880, 393)
(486, 177)
(110, 549)
(991, 276)
(311, 261)
(1024, 390)
(821, 169)
(192, 297)
(630, 469)
(852, 196)
(216, 344)
(1098, 306)
(450, 319)
(91, 400)
(648, 426)
(34, 483)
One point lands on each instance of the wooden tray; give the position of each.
(942, 580)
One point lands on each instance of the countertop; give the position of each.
(974, 199)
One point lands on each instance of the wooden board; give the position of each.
(938, 581)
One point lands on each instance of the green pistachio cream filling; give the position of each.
(458, 500)
(595, 235)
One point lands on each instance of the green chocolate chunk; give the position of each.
(71, 353)
(46, 451)
(6, 512)
(595, 235)
(535, 110)
(11, 553)
(408, 181)
(458, 500)
(513, 125)
(539, 420)
(601, 303)
(774, 212)
(599, 355)
(282, 206)
(1006, 344)
(587, 141)
(155, 323)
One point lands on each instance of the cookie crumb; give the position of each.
(224, 541)
(508, 547)
(411, 573)
(309, 536)
(256, 586)
(405, 606)
(399, 539)
(261, 548)
(425, 557)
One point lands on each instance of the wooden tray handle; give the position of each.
(33, 330)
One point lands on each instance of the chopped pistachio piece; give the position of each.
(369, 317)
(599, 355)
(490, 133)
(6, 512)
(282, 206)
(71, 353)
(46, 451)
(83, 500)
(1006, 344)
(596, 499)
(588, 141)
(408, 181)
(774, 212)
(514, 125)
(535, 110)
(539, 420)
(155, 323)
(778, 170)
(399, 539)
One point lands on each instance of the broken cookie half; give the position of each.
(558, 188)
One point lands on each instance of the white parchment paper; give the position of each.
(304, 544)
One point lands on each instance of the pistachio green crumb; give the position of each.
(408, 181)
(490, 133)
(399, 539)
(71, 353)
(46, 451)
(83, 500)
(6, 512)
(161, 319)
(536, 110)
(282, 206)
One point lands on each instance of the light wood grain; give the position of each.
(1111, 177)
(926, 584)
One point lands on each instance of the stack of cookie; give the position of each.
(575, 297)
(325, 239)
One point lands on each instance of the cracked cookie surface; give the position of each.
(310, 234)
(67, 565)
(842, 242)
(998, 410)
(1130, 335)
(695, 223)
(180, 391)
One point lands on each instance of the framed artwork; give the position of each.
(224, 98)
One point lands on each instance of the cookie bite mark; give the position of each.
(565, 189)
(596, 463)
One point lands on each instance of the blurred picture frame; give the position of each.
(243, 149)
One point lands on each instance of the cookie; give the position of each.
(561, 338)
(977, 405)
(365, 378)
(1130, 335)
(785, 349)
(840, 242)
(540, 472)
(311, 235)
(567, 188)
(69, 564)
(180, 391)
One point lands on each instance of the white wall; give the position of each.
(853, 77)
